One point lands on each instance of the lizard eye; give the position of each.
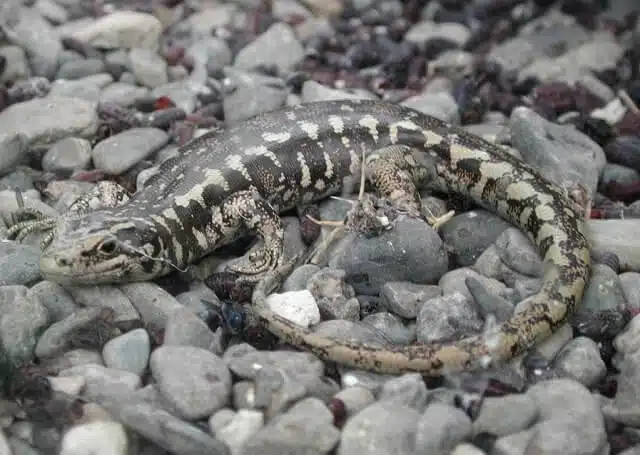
(108, 247)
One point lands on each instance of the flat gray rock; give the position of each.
(118, 153)
(193, 381)
(50, 119)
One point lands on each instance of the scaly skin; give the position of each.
(237, 181)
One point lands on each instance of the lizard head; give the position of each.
(102, 247)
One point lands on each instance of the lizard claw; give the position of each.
(38, 223)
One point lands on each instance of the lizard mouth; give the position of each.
(56, 268)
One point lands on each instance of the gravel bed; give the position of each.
(94, 90)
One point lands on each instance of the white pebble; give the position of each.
(297, 306)
(96, 438)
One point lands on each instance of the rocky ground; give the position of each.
(93, 90)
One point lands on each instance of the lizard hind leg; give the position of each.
(249, 212)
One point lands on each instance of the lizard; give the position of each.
(235, 182)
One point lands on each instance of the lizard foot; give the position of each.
(38, 223)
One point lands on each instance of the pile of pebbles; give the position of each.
(94, 90)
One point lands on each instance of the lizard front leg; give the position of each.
(248, 211)
(104, 194)
(397, 172)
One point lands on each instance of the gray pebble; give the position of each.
(405, 298)
(149, 68)
(55, 338)
(355, 399)
(396, 255)
(13, 146)
(628, 341)
(305, 428)
(381, 428)
(128, 352)
(211, 52)
(455, 281)
(19, 446)
(392, 326)
(603, 292)
(193, 299)
(51, 118)
(284, 9)
(180, 92)
(118, 153)
(240, 426)
(254, 94)
(278, 46)
(554, 34)
(52, 11)
(27, 28)
(625, 407)
(221, 419)
(570, 419)
(446, 317)
(526, 287)
(291, 363)
(630, 283)
(102, 383)
(514, 54)
(153, 303)
(105, 296)
(619, 237)
(489, 303)
(194, 382)
(313, 91)
(470, 233)
(185, 328)
(100, 436)
(121, 29)
(580, 359)
(72, 358)
(298, 279)
(453, 64)
(335, 298)
(122, 93)
(616, 173)
(67, 155)
(55, 298)
(277, 391)
(513, 444)
(169, 432)
(561, 153)
(518, 253)
(406, 390)
(201, 22)
(17, 66)
(244, 395)
(424, 31)
(600, 53)
(353, 332)
(502, 416)
(79, 68)
(22, 321)
(84, 89)
(441, 105)
(596, 87)
(19, 264)
(441, 428)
